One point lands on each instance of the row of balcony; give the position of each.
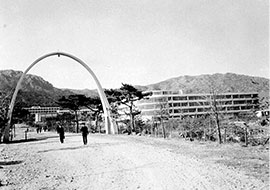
(200, 111)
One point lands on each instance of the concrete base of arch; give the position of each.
(111, 126)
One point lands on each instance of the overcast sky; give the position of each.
(138, 42)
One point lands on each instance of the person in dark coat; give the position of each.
(61, 132)
(85, 132)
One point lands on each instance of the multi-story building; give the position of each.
(43, 112)
(39, 109)
(178, 105)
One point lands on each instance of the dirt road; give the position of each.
(112, 162)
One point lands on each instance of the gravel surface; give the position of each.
(115, 162)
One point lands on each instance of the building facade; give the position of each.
(175, 104)
(41, 113)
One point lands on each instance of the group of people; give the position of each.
(84, 130)
(40, 128)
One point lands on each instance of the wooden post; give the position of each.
(204, 134)
(246, 137)
(14, 130)
(171, 126)
(25, 135)
(225, 135)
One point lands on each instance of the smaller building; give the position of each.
(41, 113)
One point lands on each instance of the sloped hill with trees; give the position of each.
(35, 90)
(86, 92)
(228, 82)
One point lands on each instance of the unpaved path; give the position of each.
(112, 162)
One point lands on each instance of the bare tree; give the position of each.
(4, 104)
(161, 115)
(214, 106)
(215, 112)
(217, 107)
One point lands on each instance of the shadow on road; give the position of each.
(59, 149)
(27, 140)
(5, 163)
(33, 139)
(80, 147)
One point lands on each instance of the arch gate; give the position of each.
(110, 125)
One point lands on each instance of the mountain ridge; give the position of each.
(34, 89)
(37, 91)
(228, 82)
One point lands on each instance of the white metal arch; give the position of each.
(110, 125)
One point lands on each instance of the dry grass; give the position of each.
(253, 160)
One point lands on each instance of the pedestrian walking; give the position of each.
(85, 132)
(60, 130)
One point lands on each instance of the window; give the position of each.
(206, 109)
(192, 110)
(233, 108)
(228, 103)
(254, 95)
(176, 104)
(185, 110)
(177, 111)
(194, 104)
(244, 107)
(245, 96)
(184, 104)
(255, 101)
(180, 98)
(194, 97)
(219, 96)
(200, 110)
(239, 102)
(249, 101)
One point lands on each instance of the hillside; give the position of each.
(228, 82)
(35, 90)
(86, 92)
